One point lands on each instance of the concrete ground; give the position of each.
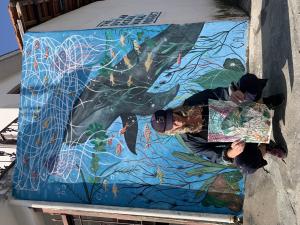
(273, 197)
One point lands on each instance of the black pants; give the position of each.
(250, 159)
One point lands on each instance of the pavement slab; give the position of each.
(272, 195)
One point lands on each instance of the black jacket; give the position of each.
(197, 142)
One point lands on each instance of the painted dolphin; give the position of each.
(104, 100)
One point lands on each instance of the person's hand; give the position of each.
(237, 96)
(237, 147)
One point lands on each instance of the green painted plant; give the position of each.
(218, 78)
(98, 136)
(232, 71)
(204, 167)
(221, 188)
(95, 163)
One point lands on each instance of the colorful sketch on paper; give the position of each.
(86, 102)
(249, 121)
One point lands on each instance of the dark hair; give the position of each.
(162, 120)
(165, 124)
(251, 84)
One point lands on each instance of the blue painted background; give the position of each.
(59, 66)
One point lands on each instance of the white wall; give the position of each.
(10, 76)
(173, 11)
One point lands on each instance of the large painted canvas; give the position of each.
(86, 102)
(248, 121)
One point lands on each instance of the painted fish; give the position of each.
(38, 141)
(179, 58)
(28, 52)
(119, 149)
(148, 61)
(110, 140)
(112, 53)
(147, 133)
(122, 40)
(136, 47)
(123, 130)
(35, 64)
(129, 82)
(53, 138)
(127, 62)
(34, 174)
(105, 185)
(46, 124)
(25, 160)
(115, 190)
(160, 175)
(46, 53)
(112, 79)
(36, 44)
(46, 79)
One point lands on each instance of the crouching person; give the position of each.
(190, 121)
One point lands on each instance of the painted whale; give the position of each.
(126, 95)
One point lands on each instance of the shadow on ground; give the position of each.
(276, 55)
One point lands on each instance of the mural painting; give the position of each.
(86, 101)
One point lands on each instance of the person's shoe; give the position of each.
(276, 150)
(274, 101)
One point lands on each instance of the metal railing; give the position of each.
(8, 135)
(8, 141)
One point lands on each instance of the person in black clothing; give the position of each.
(190, 121)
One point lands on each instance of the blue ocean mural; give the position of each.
(86, 102)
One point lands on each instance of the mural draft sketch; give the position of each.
(86, 101)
